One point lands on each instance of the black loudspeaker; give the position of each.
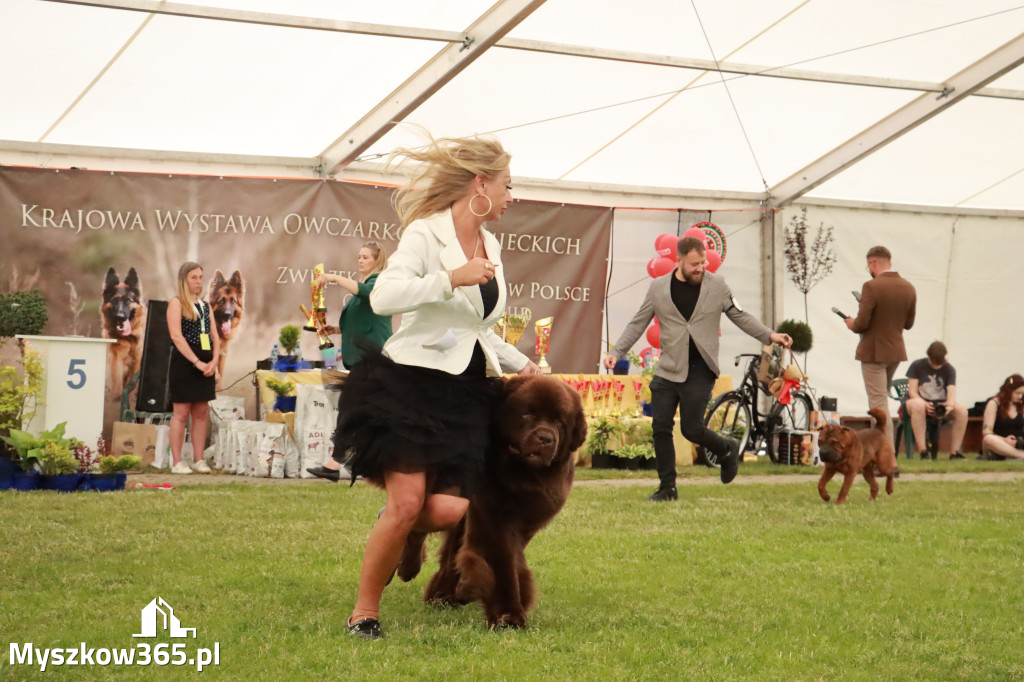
(156, 361)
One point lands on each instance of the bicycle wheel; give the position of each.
(786, 418)
(728, 416)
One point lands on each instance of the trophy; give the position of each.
(316, 317)
(543, 344)
(512, 324)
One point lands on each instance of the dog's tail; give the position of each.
(879, 418)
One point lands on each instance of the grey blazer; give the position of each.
(715, 298)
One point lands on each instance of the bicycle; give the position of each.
(736, 414)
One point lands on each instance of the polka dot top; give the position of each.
(191, 329)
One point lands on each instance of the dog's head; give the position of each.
(539, 421)
(226, 299)
(121, 300)
(837, 443)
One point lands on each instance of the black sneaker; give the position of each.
(664, 495)
(367, 628)
(957, 455)
(730, 461)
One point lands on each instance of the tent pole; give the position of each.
(771, 267)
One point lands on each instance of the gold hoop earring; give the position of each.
(489, 205)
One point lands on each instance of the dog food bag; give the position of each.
(270, 454)
(315, 420)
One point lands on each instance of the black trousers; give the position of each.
(691, 397)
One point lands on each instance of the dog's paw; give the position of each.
(443, 601)
(508, 621)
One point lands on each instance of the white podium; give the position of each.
(74, 378)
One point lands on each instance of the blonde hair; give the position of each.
(380, 257)
(445, 168)
(188, 311)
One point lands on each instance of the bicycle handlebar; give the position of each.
(745, 355)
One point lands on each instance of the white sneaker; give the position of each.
(181, 468)
(201, 467)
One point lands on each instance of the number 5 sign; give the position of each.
(74, 374)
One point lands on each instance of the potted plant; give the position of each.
(289, 339)
(59, 467)
(284, 402)
(636, 456)
(19, 393)
(28, 450)
(600, 432)
(112, 475)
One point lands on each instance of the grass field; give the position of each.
(754, 582)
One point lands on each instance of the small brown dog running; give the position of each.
(847, 451)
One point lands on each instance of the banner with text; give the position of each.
(103, 243)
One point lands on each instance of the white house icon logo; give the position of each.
(170, 623)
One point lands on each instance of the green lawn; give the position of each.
(764, 467)
(755, 582)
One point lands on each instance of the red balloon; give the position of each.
(666, 246)
(654, 336)
(658, 267)
(714, 260)
(697, 233)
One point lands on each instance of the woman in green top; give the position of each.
(358, 324)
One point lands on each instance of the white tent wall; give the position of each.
(965, 270)
(633, 246)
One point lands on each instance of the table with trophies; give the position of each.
(617, 396)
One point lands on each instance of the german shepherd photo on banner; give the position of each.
(227, 304)
(123, 313)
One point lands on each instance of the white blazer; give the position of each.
(440, 327)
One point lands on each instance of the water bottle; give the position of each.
(298, 354)
(273, 355)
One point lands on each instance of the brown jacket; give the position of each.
(887, 306)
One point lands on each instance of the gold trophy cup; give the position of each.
(316, 315)
(512, 324)
(543, 344)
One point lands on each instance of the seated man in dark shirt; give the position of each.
(932, 393)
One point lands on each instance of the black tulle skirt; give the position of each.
(394, 417)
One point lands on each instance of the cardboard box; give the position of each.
(134, 439)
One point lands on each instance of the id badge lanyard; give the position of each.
(204, 337)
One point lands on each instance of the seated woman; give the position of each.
(1002, 427)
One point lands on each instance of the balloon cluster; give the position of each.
(666, 246)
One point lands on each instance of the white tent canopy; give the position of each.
(601, 92)
(899, 121)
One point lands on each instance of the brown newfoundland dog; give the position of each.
(536, 427)
(848, 452)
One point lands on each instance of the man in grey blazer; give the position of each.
(689, 304)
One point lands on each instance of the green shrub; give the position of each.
(112, 465)
(289, 338)
(800, 332)
(19, 391)
(56, 459)
(22, 312)
(279, 387)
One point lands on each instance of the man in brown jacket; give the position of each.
(887, 306)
